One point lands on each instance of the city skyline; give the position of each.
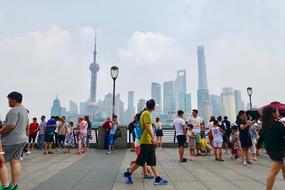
(47, 54)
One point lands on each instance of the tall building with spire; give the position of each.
(94, 68)
(204, 103)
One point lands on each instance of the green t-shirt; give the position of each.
(275, 138)
(145, 119)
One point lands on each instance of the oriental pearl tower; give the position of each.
(94, 68)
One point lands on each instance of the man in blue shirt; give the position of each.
(49, 135)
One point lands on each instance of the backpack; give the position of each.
(138, 130)
(106, 126)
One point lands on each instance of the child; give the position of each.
(191, 143)
(69, 140)
(205, 148)
(234, 138)
(217, 141)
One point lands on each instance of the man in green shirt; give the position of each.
(147, 144)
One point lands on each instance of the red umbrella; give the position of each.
(278, 105)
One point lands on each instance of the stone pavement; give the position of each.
(98, 171)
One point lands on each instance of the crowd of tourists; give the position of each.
(243, 137)
(57, 132)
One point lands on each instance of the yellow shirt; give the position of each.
(145, 119)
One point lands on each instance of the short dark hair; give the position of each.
(34, 118)
(71, 123)
(235, 127)
(115, 116)
(226, 118)
(150, 104)
(216, 122)
(219, 118)
(43, 116)
(157, 119)
(180, 112)
(16, 96)
(195, 110)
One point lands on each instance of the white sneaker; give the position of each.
(108, 152)
(28, 153)
(244, 163)
(21, 158)
(250, 162)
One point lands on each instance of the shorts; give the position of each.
(181, 140)
(192, 143)
(49, 138)
(217, 144)
(13, 151)
(61, 139)
(81, 139)
(245, 141)
(159, 133)
(225, 139)
(147, 155)
(32, 138)
(277, 157)
(112, 139)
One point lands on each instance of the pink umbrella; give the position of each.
(276, 104)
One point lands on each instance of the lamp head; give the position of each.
(249, 91)
(114, 72)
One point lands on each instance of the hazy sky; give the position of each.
(46, 47)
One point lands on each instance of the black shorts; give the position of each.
(277, 157)
(159, 133)
(147, 155)
(225, 139)
(245, 141)
(49, 139)
(61, 139)
(181, 139)
(32, 138)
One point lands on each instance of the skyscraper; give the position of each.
(156, 96)
(238, 101)
(73, 112)
(168, 98)
(188, 104)
(204, 104)
(130, 113)
(141, 105)
(180, 90)
(216, 104)
(228, 103)
(56, 109)
(94, 68)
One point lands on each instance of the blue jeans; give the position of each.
(88, 138)
(40, 142)
(106, 141)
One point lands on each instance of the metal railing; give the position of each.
(168, 136)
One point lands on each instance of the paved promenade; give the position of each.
(98, 171)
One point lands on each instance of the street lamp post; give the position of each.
(114, 74)
(249, 92)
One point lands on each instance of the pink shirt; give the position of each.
(83, 127)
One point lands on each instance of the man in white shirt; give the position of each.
(179, 126)
(197, 123)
